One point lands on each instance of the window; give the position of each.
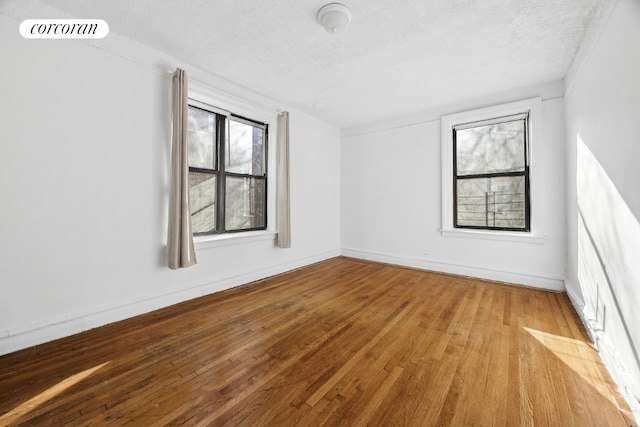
(491, 174)
(227, 171)
(488, 186)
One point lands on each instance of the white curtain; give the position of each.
(284, 207)
(180, 248)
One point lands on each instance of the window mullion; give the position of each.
(223, 134)
(493, 175)
(244, 175)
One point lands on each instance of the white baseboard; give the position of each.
(30, 335)
(541, 281)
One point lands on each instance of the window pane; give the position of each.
(202, 192)
(491, 202)
(245, 203)
(491, 148)
(245, 150)
(201, 138)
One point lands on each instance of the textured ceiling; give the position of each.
(397, 56)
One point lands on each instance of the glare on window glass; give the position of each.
(245, 149)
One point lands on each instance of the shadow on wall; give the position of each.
(609, 267)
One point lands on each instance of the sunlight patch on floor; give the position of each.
(577, 355)
(49, 393)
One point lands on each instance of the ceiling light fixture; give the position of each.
(334, 17)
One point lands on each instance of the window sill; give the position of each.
(508, 236)
(206, 242)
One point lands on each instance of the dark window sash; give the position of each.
(524, 173)
(222, 127)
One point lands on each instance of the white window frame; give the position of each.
(223, 103)
(531, 106)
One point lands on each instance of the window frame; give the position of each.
(524, 173)
(533, 108)
(222, 103)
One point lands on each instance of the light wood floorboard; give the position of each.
(343, 342)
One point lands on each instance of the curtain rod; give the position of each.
(275, 109)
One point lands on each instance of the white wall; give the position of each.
(603, 140)
(85, 141)
(391, 200)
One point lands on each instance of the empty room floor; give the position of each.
(342, 342)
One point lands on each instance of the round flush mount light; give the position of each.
(334, 17)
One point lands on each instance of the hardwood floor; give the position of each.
(342, 342)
